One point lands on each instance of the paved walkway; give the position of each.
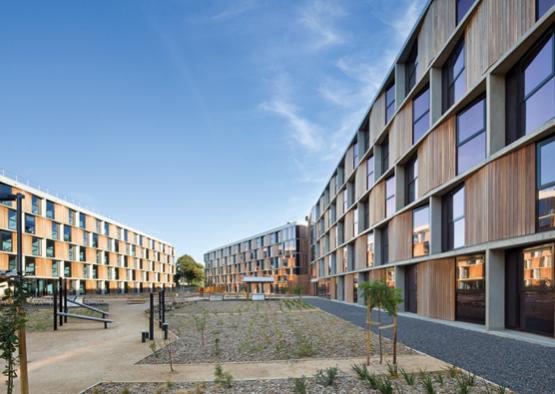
(521, 366)
(82, 353)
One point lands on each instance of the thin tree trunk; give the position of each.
(395, 338)
(369, 331)
(380, 334)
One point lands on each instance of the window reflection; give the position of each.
(421, 231)
(471, 272)
(471, 136)
(538, 267)
(546, 184)
(370, 250)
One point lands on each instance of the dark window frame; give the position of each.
(424, 114)
(411, 178)
(458, 143)
(537, 4)
(414, 212)
(370, 174)
(539, 186)
(390, 104)
(459, 18)
(448, 221)
(411, 68)
(384, 147)
(449, 82)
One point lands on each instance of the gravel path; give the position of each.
(521, 366)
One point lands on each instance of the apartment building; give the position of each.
(274, 261)
(447, 188)
(95, 254)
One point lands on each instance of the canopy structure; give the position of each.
(256, 284)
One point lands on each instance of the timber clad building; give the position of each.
(447, 189)
(95, 254)
(280, 254)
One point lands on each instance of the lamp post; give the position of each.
(23, 375)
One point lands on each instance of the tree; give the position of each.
(391, 300)
(189, 270)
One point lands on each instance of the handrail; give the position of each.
(73, 315)
(92, 308)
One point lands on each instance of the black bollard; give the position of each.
(165, 328)
(163, 306)
(65, 299)
(151, 320)
(55, 304)
(61, 298)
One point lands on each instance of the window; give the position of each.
(385, 244)
(390, 196)
(471, 136)
(85, 238)
(55, 269)
(345, 201)
(546, 184)
(355, 222)
(420, 115)
(370, 250)
(542, 6)
(12, 263)
(369, 172)
(35, 205)
(49, 209)
(71, 216)
(355, 154)
(538, 267)
(6, 241)
(453, 220)
(5, 189)
(94, 240)
(385, 154)
(454, 84)
(82, 220)
(106, 228)
(67, 269)
(29, 224)
(389, 103)
(36, 246)
(411, 68)
(29, 266)
(12, 219)
(55, 230)
(411, 175)
(50, 248)
(67, 233)
(421, 231)
(462, 9)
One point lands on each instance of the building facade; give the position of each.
(95, 254)
(447, 189)
(279, 254)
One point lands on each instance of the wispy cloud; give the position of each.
(320, 17)
(303, 131)
(235, 9)
(403, 24)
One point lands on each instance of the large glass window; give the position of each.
(546, 184)
(6, 241)
(55, 230)
(411, 68)
(369, 172)
(385, 244)
(471, 289)
(29, 224)
(390, 196)
(49, 209)
(411, 175)
(389, 103)
(67, 269)
(471, 136)
(55, 268)
(370, 250)
(36, 246)
(421, 231)
(82, 220)
(67, 233)
(355, 154)
(35, 205)
(420, 115)
(385, 154)
(462, 8)
(5, 189)
(71, 216)
(453, 214)
(50, 248)
(30, 266)
(454, 77)
(542, 6)
(355, 222)
(12, 219)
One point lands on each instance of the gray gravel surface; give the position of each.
(523, 367)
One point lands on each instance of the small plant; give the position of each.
(299, 385)
(124, 390)
(465, 382)
(453, 371)
(222, 378)
(169, 384)
(428, 383)
(361, 371)
(326, 377)
(304, 347)
(385, 386)
(410, 379)
(392, 370)
(439, 379)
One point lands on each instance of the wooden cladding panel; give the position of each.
(349, 225)
(400, 237)
(3, 217)
(476, 49)
(90, 255)
(360, 252)
(61, 250)
(332, 186)
(43, 227)
(400, 135)
(377, 203)
(349, 161)
(339, 261)
(4, 262)
(333, 239)
(436, 289)
(377, 117)
(507, 21)
(339, 204)
(437, 26)
(437, 157)
(377, 274)
(360, 186)
(500, 198)
(348, 288)
(43, 268)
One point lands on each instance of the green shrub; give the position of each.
(385, 386)
(392, 370)
(326, 377)
(221, 378)
(410, 379)
(361, 371)
(299, 385)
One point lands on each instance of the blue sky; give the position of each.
(199, 122)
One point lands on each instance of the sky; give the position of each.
(199, 122)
